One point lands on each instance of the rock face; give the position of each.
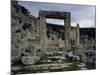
(22, 30)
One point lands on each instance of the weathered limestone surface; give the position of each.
(67, 33)
(43, 36)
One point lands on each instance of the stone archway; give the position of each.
(54, 15)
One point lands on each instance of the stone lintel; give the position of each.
(54, 14)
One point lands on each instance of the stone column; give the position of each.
(67, 33)
(77, 35)
(43, 36)
(37, 25)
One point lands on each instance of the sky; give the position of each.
(82, 14)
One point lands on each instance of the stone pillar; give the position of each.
(77, 35)
(67, 33)
(43, 36)
(37, 25)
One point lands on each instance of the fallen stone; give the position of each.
(29, 60)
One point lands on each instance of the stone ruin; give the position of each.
(31, 44)
(42, 44)
(57, 15)
(66, 16)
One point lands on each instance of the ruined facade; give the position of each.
(59, 15)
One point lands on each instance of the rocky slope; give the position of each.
(22, 26)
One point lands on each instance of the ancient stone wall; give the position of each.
(24, 38)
